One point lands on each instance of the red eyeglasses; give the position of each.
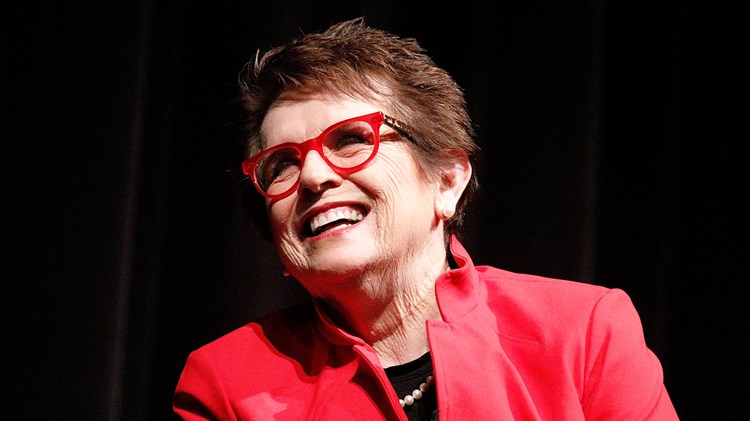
(347, 147)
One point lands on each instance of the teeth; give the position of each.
(335, 215)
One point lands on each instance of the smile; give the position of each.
(331, 219)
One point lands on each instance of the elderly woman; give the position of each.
(362, 153)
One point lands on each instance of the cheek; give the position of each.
(287, 245)
(388, 179)
(278, 217)
(403, 186)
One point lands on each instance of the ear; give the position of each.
(454, 178)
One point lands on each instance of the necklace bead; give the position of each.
(417, 394)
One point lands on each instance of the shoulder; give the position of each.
(540, 290)
(584, 335)
(554, 308)
(259, 344)
(250, 361)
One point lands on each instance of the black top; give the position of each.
(407, 377)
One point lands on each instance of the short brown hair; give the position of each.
(353, 59)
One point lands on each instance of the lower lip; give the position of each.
(334, 232)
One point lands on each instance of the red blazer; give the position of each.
(509, 347)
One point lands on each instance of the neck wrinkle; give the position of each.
(392, 322)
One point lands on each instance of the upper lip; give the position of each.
(304, 221)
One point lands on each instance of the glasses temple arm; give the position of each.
(398, 125)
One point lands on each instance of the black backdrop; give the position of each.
(613, 139)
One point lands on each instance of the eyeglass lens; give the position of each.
(343, 147)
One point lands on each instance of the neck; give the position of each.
(390, 314)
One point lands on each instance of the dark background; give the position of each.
(614, 152)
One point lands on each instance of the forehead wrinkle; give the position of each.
(310, 126)
(288, 135)
(289, 132)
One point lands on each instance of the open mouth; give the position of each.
(333, 219)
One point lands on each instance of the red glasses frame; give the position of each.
(375, 120)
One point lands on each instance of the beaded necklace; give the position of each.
(417, 394)
(421, 402)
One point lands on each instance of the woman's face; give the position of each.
(393, 197)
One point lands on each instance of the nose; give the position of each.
(315, 174)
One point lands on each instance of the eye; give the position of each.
(278, 166)
(350, 140)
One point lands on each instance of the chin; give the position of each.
(335, 264)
